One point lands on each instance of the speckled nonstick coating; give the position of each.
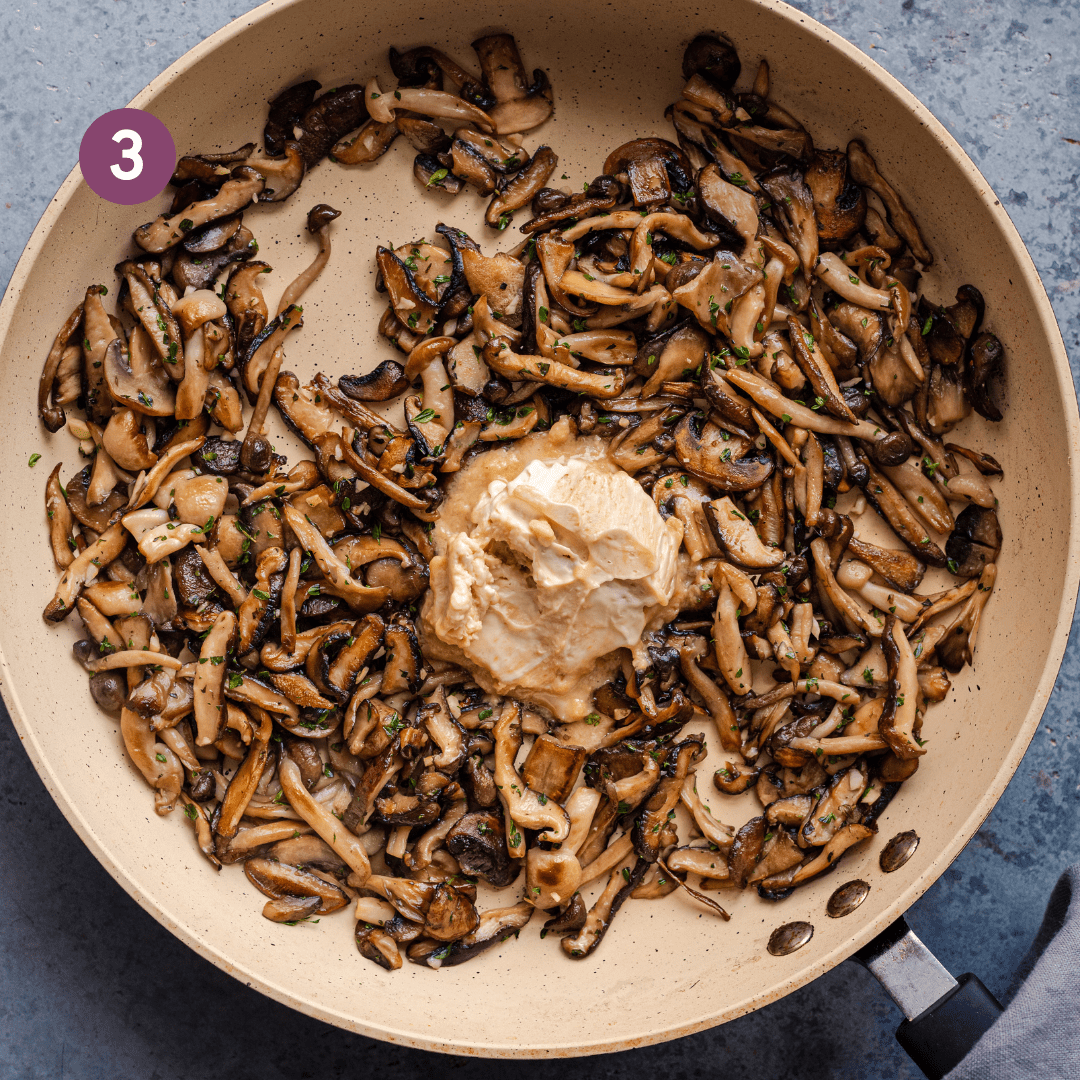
(667, 968)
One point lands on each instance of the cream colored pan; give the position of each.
(667, 968)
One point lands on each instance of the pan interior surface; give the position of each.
(667, 967)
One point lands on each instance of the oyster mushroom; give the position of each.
(738, 537)
(897, 721)
(864, 171)
(524, 807)
(52, 416)
(504, 361)
(522, 188)
(236, 193)
(521, 105)
(957, 646)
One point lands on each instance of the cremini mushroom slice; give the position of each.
(728, 464)
(649, 166)
(235, 194)
(839, 202)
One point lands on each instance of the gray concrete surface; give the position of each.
(78, 997)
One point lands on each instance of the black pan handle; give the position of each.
(946, 1017)
(938, 1039)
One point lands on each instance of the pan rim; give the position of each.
(114, 864)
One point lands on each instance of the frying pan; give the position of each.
(666, 969)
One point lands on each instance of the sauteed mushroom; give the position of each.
(729, 324)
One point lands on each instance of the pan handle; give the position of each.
(945, 1017)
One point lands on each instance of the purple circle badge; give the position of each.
(127, 156)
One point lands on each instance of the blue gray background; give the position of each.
(92, 987)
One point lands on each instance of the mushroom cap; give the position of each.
(713, 58)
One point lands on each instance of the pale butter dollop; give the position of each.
(559, 565)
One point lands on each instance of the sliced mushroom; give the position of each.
(52, 416)
(737, 536)
(521, 105)
(898, 513)
(839, 203)
(653, 168)
(708, 452)
(83, 569)
(523, 806)
(864, 171)
(957, 646)
(235, 194)
(551, 767)
(282, 883)
(478, 842)
(516, 366)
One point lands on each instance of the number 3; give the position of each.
(131, 154)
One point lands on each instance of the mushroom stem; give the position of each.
(332, 830)
(288, 600)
